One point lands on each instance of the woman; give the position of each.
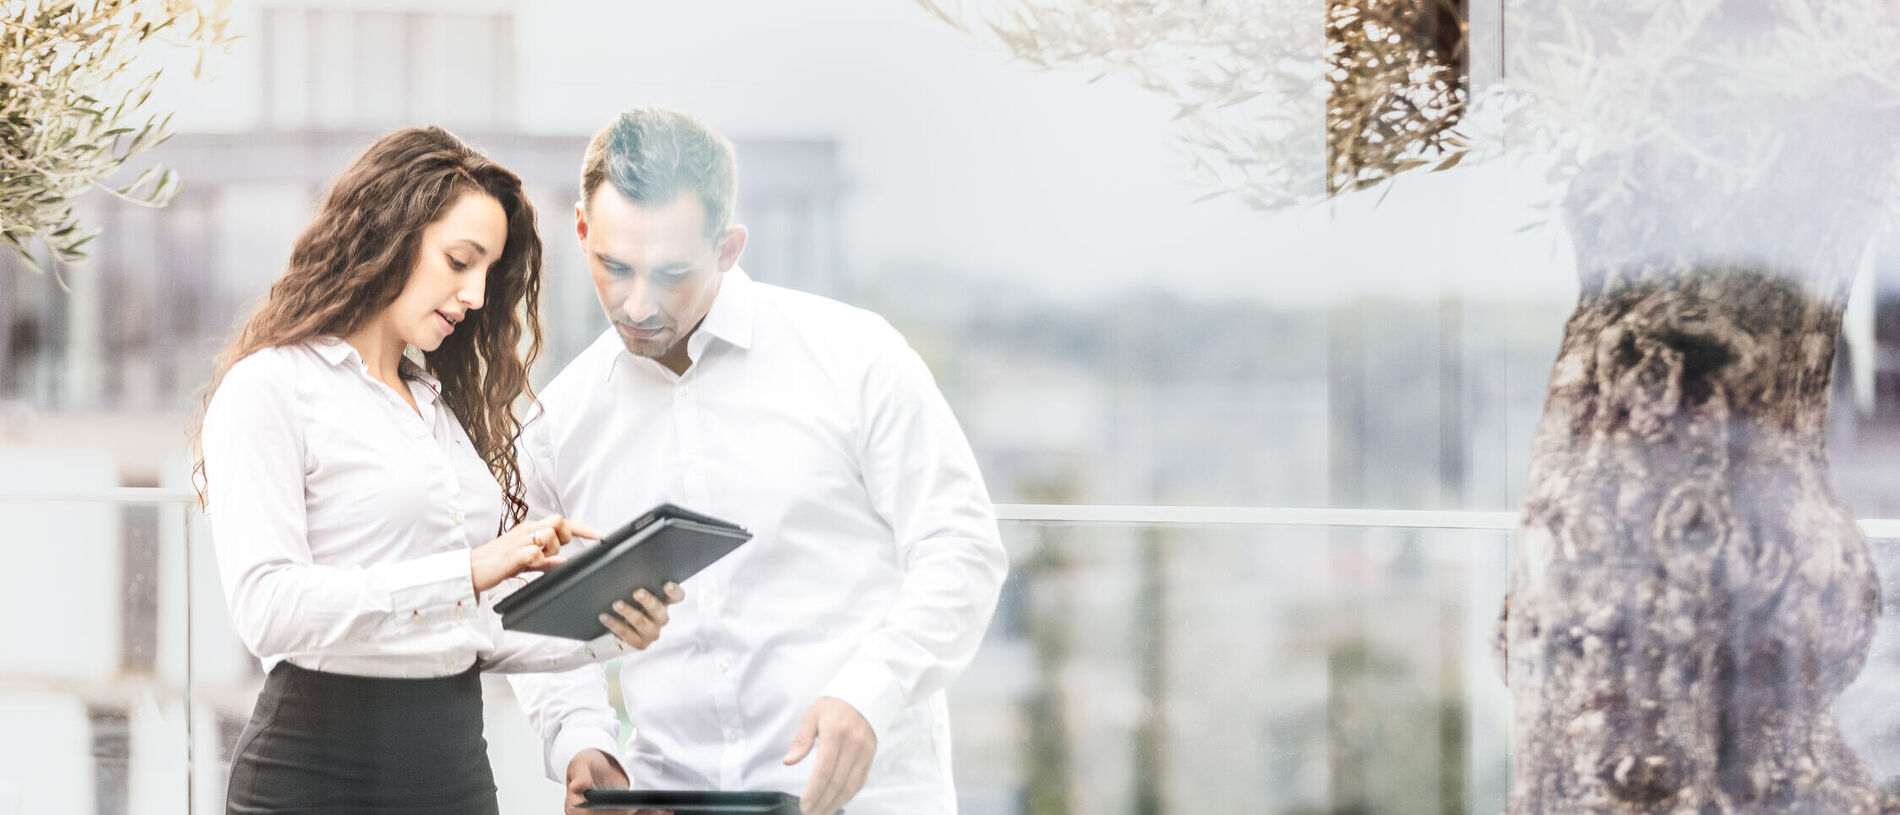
(349, 488)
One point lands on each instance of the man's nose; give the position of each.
(637, 302)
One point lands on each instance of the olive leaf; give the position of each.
(68, 117)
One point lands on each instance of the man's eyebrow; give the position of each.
(664, 268)
(470, 243)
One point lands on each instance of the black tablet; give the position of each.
(686, 802)
(664, 544)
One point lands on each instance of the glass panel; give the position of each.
(1106, 226)
(94, 709)
(1129, 668)
(1238, 669)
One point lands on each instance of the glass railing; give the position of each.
(1142, 660)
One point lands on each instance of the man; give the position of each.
(812, 660)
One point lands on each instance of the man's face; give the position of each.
(655, 268)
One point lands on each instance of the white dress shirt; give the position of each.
(343, 519)
(873, 570)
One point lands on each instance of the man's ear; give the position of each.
(731, 246)
(580, 221)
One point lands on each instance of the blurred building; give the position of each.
(1130, 669)
(122, 708)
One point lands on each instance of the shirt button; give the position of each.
(724, 666)
(732, 737)
(456, 518)
(685, 389)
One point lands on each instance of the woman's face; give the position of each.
(451, 271)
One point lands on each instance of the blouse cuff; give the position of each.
(427, 583)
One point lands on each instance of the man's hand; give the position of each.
(592, 768)
(846, 745)
(639, 625)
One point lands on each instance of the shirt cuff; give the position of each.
(440, 579)
(572, 740)
(868, 686)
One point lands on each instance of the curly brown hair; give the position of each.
(353, 259)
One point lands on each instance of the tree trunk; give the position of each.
(1688, 593)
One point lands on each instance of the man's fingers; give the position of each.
(639, 621)
(801, 745)
(854, 780)
(623, 631)
(846, 746)
(674, 593)
(654, 609)
(576, 786)
(824, 776)
(853, 764)
(588, 770)
(572, 806)
(808, 802)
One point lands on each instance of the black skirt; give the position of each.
(357, 745)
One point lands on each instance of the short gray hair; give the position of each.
(651, 154)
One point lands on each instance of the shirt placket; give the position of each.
(422, 435)
(439, 436)
(710, 596)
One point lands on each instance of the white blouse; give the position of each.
(343, 520)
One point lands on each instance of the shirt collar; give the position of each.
(337, 352)
(334, 350)
(729, 320)
(730, 317)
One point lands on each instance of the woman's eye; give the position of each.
(456, 264)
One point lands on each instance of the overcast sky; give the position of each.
(958, 158)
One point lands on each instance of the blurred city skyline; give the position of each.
(1101, 338)
(1043, 184)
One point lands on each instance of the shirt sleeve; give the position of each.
(569, 709)
(281, 602)
(923, 481)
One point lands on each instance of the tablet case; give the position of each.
(684, 802)
(664, 543)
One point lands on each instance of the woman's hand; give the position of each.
(531, 546)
